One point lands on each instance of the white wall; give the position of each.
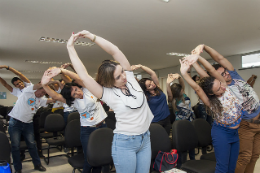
(236, 62)
(10, 98)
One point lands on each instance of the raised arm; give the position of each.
(6, 85)
(200, 70)
(149, 71)
(181, 82)
(54, 95)
(72, 75)
(193, 84)
(21, 76)
(215, 55)
(109, 47)
(89, 82)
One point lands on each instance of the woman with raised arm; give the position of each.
(217, 96)
(92, 114)
(155, 97)
(116, 85)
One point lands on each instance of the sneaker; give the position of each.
(40, 168)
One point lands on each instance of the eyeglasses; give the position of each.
(224, 73)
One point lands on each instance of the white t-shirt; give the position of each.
(68, 108)
(27, 105)
(133, 115)
(57, 104)
(91, 112)
(17, 91)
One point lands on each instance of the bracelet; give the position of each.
(94, 39)
(7, 68)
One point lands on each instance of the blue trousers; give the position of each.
(84, 137)
(226, 147)
(16, 129)
(132, 153)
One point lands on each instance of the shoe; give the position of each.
(40, 168)
(20, 171)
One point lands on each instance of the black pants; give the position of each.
(166, 123)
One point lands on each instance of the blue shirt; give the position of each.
(158, 106)
(246, 95)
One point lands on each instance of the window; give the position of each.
(251, 60)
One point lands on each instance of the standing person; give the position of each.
(249, 131)
(182, 107)
(217, 96)
(155, 97)
(92, 114)
(21, 124)
(116, 85)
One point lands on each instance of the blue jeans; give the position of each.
(16, 129)
(226, 147)
(132, 153)
(84, 137)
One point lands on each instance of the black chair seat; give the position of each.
(42, 130)
(199, 166)
(58, 141)
(209, 156)
(46, 135)
(77, 161)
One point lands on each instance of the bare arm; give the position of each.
(170, 79)
(181, 82)
(21, 76)
(109, 47)
(53, 94)
(219, 58)
(193, 84)
(73, 76)
(50, 100)
(37, 86)
(149, 71)
(199, 70)
(89, 82)
(6, 85)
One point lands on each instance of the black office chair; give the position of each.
(73, 116)
(110, 120)
(59, 111)
(185, 138)
(160, 141)
(5, 148)
(99, 147)
(72, 139)
(43, 116)
(54, 123)
(203, 130)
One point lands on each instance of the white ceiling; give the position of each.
(145, 30)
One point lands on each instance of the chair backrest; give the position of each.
(72, 134)
(5, 148)
(203, 131)
(184, 136)
(54, 123)
(111, 120)
(43, 116)
(73, 116)
(2, 129)
(58, 111)
(160, 140)
(99, 147)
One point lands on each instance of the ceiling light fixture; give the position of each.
(62, 41)
(43, 62)
(166, 1)
(177, 54)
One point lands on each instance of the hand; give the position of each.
(46, 78)
(170, 78)
(198, 50)
(72, 39)
(53, 71)
(185, 66)
(191, 58)
(176, 76)
(84, 34)
(64, 66)
(135, 67)
(3, 66)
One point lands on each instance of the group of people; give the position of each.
(136, 104)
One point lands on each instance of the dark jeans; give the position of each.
(166, 123)
(16, 129)
(84, 136)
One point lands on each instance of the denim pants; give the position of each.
(84, 137)
(226, 147)
(132, 153)
(16, 129)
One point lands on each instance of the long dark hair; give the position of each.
(177, 94)
(206, 84)
(146, 92)
(66, 92)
